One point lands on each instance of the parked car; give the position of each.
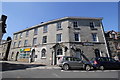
(105, 63)
(69, 62)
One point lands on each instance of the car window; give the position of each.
(77, 59)
(112, 60)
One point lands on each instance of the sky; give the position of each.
(22, 15)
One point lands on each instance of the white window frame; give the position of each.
(35, 31)
(77, 24)
(27, 33)
(96, 37)
(19, 44)
(57, 37)
(44, 39)
(44, 53)
(26, 43)
(34, 42)
(59, 26)
(45, 29)
(78, 38)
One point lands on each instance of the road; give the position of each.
(27, 72)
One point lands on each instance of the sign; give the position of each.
(88, 44)
(21, 49)
(27, 49)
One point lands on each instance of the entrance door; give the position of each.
(33, 56)
(17, 56)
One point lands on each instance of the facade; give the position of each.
(5, 48)
(113, 42)
(69, 36)
(2, 26)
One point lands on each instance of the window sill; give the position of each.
(59, 29)
(43, 57)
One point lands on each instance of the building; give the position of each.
(113, 42)
(2, 26)
(5, 48)
(69, 36)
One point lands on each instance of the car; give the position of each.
(70, 62)
(105, 63)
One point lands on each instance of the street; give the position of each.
(23, 71)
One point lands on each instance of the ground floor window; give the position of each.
(43, 53)
(24, 55)
(97, 53)
(59, 52)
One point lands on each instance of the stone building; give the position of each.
(2, 26)
(5, 48)
(69, 36)
(113, 42)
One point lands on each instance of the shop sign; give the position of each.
(88, 44)
(27, 49)
(21, 49)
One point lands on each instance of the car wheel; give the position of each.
(87, 68)
(101, 68)
(66, 67)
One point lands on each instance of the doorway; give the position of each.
(32, 56)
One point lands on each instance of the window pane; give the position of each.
(94, 37)
(58, 25)
(75, 24)
(58, 37)
(27, 33)
(92, 25)
(45, 29)
(36, 31)
(34, 41)
(43, 53)
(44, 39)
(76, 36)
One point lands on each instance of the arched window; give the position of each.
(59, 52)
(43, 53)
(97, 53)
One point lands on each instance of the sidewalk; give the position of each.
(32, 65)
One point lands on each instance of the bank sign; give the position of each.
(26, 49)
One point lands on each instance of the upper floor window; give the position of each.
(20, 35)
(27, 33)
(16, 36)
(35, 31)
(59, 26)
(14, 44)
(19, 43)
(59, 37)
(26, 43)
(92, 25)
(76, 36)
(45, 29)
(75, 24)
(34, 41)
(94, 37)
(44, 39)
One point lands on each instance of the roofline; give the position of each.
(64, 18)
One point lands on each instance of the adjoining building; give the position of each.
(5, 48)
(69, 36)
(113, 42)
(2, 26)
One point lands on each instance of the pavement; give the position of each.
(29, 65)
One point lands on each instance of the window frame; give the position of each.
(35, 31)
(59, 37)
(34, 42)
(43, 54)
(96, 37)
(45, 29)
(75, 25)
(78, 37)
(26, 43)
(59, 26)
(44, 39)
